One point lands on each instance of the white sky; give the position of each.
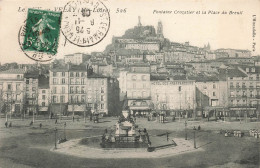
(221, 31)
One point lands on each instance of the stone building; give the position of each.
(31, 92)
(77, 89)
(174, 96)
(12, 93)
(44, 95)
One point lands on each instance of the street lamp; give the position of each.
(55, 132)
(194, 133)
(64, 131)
(185, 130)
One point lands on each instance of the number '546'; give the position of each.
(118, 10)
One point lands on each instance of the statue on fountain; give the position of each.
(125, 135)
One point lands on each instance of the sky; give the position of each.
(220, 30)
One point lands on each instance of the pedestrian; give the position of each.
(56, 121)
(10, 124)
(6, 124)
(73, 118)
(194, 128)
(199, 127)
(167, 136)
(173, 118)
(40, 125)
(65, 124)
(31, 123)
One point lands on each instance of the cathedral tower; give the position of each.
(139, 21)
(160, 30)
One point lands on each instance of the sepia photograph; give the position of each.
(129, 84)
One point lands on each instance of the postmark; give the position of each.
(85, 22)
(39, 36)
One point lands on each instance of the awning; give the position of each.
(242, 108)
(139, 108)
(43, 108)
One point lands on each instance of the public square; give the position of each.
(27, 146)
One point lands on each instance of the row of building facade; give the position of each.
(64, 90)
(75, 89)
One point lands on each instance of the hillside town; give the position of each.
(142, 71)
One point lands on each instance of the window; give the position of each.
(77, 81)
(43, 104)
(134, 77)
(71, 99)
(77, 89)
(214, 86)
(54, 74)
(55, 81)
(43, 91)
(83, 89)
(179, 88)
(43, 97)
(77, 74)
(214, 93)
(18, 76)
(63, 74)
(243, 84)
(82, 81)
(63, 80)
(244, 93)
(102, 98)
(27, 81)
(71, 74)
(77, 99)
(33, 89)
(9, 87)
(82, 74)
(71, 81)
(71, 90)
(62, 99)
(102, 90)
(63, 89)
(82, 99)
(54, 99)
(102, 106)
(17, 86)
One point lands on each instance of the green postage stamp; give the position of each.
(42, 31)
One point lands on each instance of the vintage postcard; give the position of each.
(130, 83)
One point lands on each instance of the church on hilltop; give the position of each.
(144, 38)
